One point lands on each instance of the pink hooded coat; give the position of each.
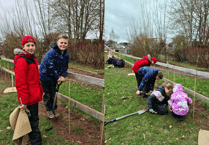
(179, 100)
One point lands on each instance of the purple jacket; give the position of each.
(179, 100)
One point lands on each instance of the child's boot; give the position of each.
(50, 114)
(56, 113)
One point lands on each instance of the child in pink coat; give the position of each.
(179, 102)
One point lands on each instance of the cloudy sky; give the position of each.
(120, 15)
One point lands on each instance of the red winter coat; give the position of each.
(27, 77)
(140, 63)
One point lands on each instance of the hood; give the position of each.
(55, 47)
(19, 51)
(146, 57)
(162, 90)
(177, 88)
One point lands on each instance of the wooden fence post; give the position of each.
(194, 96)
(102, 124)
(69, 105)
(12, 80)
(5, 71)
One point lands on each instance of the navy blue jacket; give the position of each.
(54, 65)
(110, 60)
(148, 74)
(158, 98)
(120, 63)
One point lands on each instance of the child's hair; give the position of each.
(62, 37)
(167, 85)
(160, 74)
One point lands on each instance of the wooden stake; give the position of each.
(69, 105)
(194, 96)
(5, 71)
(12, 81)
(102, 124)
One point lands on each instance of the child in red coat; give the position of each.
(145, 61)
(29, 89)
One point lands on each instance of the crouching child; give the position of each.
(159, 98)
(118, 62)
(53, 69)
(146, 78)
(179, 102)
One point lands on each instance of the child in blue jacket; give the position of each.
(53, 69)
(147, 78)
(159, 98)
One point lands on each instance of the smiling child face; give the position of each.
(29, 47)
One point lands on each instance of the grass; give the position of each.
(8, 102)
(186, 65)
(87, 95)
(202, 86)
(146, 128)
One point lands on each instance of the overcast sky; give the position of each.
(7, 6)
(120, 14)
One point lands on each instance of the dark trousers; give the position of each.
(49, 94)
(177, 116)
(146, 88)
(160, 109)
(35, 134)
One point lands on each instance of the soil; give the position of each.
(83, 130)
(86, 72)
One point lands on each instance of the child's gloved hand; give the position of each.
(152, 111)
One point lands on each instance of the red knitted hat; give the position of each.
(154, 59)
(27, 39)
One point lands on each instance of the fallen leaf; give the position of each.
(8, 127)
(108, 93)
(183, 136)
(164, 142)
(1, 130)
(106, 141)
(124, 100)
(177, 139)
(78, 142)
(110, 107)
(109, 138)
(45, 136)
(170, 126)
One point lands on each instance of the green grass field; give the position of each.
(146, 128)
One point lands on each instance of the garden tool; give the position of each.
(138, 112)
(57, 89)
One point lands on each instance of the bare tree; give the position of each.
(77, 16)
(189, 18)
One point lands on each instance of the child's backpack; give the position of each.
(121, 63)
